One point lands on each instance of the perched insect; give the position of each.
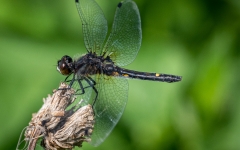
(102, 81)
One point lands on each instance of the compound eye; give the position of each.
(64, 65)
(67, 59)
(58, 63)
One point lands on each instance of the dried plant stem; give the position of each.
(60, 129)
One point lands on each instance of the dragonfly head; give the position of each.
(65, 65)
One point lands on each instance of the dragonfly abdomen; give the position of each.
(148, 76)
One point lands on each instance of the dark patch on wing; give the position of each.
(119, 4)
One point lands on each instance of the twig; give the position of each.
(58, 128)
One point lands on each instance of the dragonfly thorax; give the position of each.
(88, 64)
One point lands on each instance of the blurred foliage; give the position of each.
(198, 39)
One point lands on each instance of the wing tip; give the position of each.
(119, 4)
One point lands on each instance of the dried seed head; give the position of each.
(76, 129)
(59, 129)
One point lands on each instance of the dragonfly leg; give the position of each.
(81, 88)
(67, 78)
(79, 80)
(70, 84)
(92, 84)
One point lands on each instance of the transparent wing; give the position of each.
(109, 107)
(94, 24)
(125, 38)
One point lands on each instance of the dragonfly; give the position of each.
(99, 74)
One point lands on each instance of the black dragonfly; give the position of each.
(101, 80)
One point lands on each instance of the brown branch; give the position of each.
(58, 128)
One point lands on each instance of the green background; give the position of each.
(197, 39)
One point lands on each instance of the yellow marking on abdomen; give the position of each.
(125, 75)
(157, 74)
(115, 73)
